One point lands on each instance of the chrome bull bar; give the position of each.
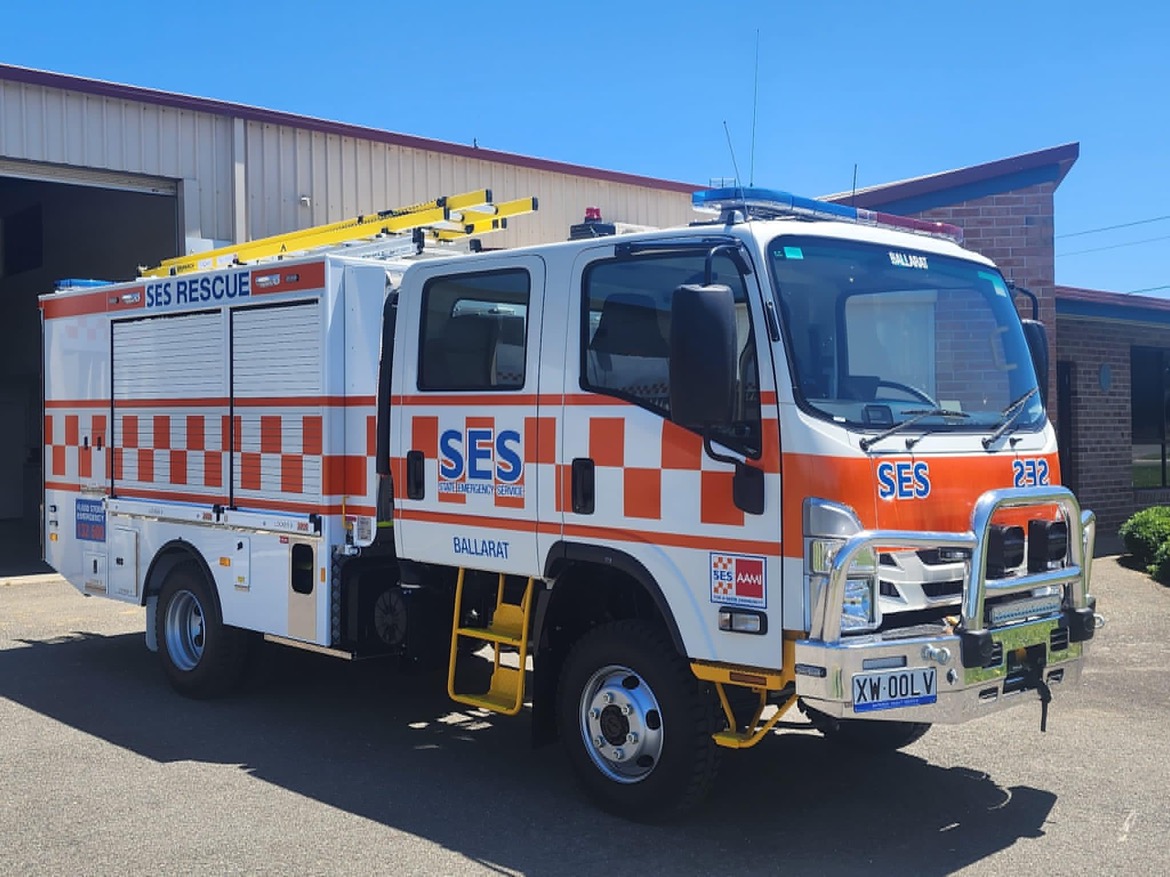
(999, 662)
(1082, 528)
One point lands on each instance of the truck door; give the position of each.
(465, 409)
(642, 483)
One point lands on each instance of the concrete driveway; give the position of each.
(324, 767)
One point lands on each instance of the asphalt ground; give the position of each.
(324, 767)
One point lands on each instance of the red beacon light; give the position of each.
(593, 214)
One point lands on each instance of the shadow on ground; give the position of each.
(390, 748)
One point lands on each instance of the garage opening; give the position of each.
(50, 231)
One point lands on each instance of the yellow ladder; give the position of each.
(446, 218)
(509, 628)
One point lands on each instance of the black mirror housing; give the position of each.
(702, 355)
(1037, 337)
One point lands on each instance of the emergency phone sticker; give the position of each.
(90, 518)
(739, 580)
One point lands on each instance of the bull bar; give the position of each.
(972, 685)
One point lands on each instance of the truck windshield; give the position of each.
(878, 335)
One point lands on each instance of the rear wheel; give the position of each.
(636, 723)
(866, 735)
(201, 656)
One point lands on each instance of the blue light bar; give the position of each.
(79, 283)
(760, 203)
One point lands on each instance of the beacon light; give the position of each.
(760, 203)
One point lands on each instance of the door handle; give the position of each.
(415, 481)
(583, 484)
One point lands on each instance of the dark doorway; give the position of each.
(48, 232)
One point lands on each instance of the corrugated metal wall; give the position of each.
(49, 125)
(262, 171)
(344, 176)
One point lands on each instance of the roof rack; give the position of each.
(443, 219)
(738, 203)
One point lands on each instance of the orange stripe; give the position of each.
(309, 275)
(63, 485)
(178, 496)
(77, 403)
(220, 401)
(246, 503)
(99, 302)
(608, 534)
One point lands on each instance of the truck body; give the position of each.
(795, 455)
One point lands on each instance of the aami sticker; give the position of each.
(739, 580)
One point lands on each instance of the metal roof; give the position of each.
(174, 100)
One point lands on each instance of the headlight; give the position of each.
(826, 528)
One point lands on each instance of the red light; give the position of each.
(593, 214)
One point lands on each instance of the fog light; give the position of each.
(1005, 550)
(1047, 543)
(743, 621)
(857, 611)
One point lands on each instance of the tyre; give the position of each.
(636, 723)
(866, 735)
(201, 656)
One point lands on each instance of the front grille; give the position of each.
(937, 590)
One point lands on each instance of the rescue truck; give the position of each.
(664, 486)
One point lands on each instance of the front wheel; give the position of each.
(636, 723)
(201, 656)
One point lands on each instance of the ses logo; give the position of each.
(903, 480)
(481, 460)
(739, 580)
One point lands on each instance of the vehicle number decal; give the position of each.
(1030, 472)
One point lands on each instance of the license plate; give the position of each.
(889, 689)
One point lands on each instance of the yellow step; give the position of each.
(502, 697)
(507, 627)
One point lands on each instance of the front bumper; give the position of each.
(978, 668)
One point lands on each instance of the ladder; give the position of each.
(509, 628)
(446, 218)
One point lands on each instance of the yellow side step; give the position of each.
(509, 629)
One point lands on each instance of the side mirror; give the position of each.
(1037, 337)
(702, 355)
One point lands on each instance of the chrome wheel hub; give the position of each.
(621, 724)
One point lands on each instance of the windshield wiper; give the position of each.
(1009, 416)
(866, 443)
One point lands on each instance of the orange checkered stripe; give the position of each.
(646, 470)
(279, 458)
(67, 456)
(643, 485)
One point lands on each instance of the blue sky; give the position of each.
(901, 89)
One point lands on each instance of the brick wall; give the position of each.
(1101, 455)
(1015, 230)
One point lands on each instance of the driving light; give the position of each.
(1005, 550)
(1047, 543)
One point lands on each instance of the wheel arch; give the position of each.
(576, 604)
(171, 555)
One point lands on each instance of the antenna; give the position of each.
(853, 196)
(755, 113)
(731, 149)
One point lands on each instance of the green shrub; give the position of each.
(1145, 533)
(1160, 568)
